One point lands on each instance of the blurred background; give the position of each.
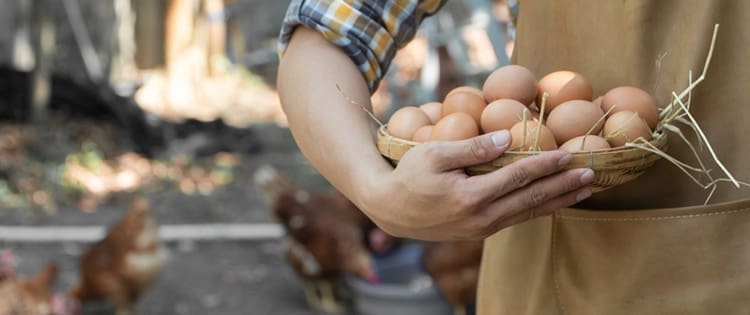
(173, 102)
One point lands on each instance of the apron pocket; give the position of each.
(692, 260)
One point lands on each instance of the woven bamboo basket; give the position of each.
(612, 167)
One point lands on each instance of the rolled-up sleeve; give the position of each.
(369, 32)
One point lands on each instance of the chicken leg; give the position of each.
(328, 301)
(320, 296)
(311, 295)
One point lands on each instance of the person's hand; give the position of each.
(428, 195)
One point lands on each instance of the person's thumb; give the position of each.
(477, 150)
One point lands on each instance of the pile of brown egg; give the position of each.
(511, 98)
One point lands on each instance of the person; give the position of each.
(648, 246)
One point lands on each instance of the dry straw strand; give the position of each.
(588, 133)
(678, 131)
(621, 130)
(708, 145)
(525, 117)
(700, 79)
(350, 100)
(678, 111)
(545, 95)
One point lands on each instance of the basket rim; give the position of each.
(613, 166)
(659, 140)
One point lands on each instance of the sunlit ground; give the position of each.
(81, 163)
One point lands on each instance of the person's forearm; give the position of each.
(427, 196)
(334, 134)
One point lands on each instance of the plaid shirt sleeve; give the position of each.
(369, 32)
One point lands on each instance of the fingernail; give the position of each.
(587, 177)
(564, 160)
(501, 138)
(583, 195)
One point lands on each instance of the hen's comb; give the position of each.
(8, 264)
(271, 182)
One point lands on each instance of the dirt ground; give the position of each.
(204, 277)
(201, 278)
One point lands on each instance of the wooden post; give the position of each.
(179, 29)
(217, 32)
(149, 33)
(43, 45)
(33, 50)
(123, 60)
(22, 54)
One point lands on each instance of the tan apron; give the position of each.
(681, 258)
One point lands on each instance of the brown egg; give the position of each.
(511, 81)
(422, 134)
(575, 118)
(633, 99)
(520, 143)
(563, 86)
(467, 102)
(433, 110)
(405, 121)
(625, 126)
(585, 143)
(598, 101)
(455, 126)
(502, 114)
(466, 89)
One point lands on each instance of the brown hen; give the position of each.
(29, 297)
(125, 263)
(327, 236)
(454, 266)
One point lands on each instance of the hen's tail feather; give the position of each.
(76, 292)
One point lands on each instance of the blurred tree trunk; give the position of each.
(33, 49)
(179, 29)
(43, 43)
(186, 28)
(123, 61)
(217, 31)
(22, 54)
(149, 33)
(22, 60)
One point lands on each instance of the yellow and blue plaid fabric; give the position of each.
(369, 32)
